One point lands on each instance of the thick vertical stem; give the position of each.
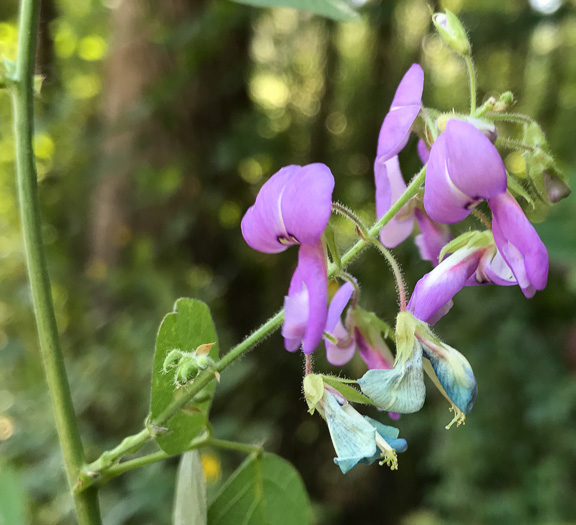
(22, 90)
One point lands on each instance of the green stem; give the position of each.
(518, 118)
(117, 470)
(351, 216)
(136, 441)
(471, 82)
(22, 93)
(513, 144)
(360, 245)
(234, 445)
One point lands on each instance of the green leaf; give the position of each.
(350, 393)
(264, 490)
(187, 328)
(12, 498)
(190, 507)
(339, 10)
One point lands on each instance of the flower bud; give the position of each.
(549, 182)
(556, 188)
(505, 101)
(452, 32)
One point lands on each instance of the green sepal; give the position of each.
(350, 393)
(405, 338)
(517, 190)
(472, 239)
(330, 239)
(452, 31)
(550, 184)
(313, 391)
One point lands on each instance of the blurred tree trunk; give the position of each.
(153, 116)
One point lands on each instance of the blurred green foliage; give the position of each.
(156, 126)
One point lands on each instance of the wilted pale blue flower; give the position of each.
(356, 438)
(401, 389)
(464, 167)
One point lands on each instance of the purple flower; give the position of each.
(358, 331)
(292, 207)
(432, 297)
(394, 135)
(464, 168)
(305, 306)
(519, 244)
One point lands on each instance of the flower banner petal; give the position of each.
(404, 109)
(307, 203)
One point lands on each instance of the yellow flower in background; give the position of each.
(211, 466)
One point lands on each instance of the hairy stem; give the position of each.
(517, 118)
(471, 83)
(401, 287)
(121, 468)
(22, 92)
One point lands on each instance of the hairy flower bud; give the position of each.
(452, 32)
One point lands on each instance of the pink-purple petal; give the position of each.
(372, 357)
(389, 188)
(263, 224)
(493, 269)
(423, 151)
(436, 289)
(307, 203)
(474, 164)
(433, 237)
(308, 288)
(519, 244)
(443, 201)
(339, 354)
(404, 109)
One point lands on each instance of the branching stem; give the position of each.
(136, 441)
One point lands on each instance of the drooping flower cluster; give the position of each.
(463, 170)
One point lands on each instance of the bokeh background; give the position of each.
(157, 124)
